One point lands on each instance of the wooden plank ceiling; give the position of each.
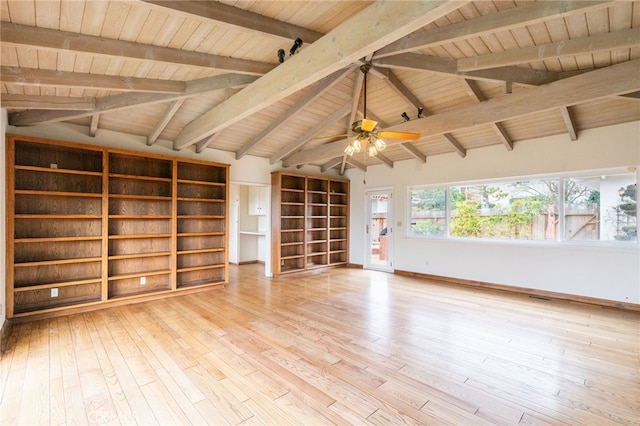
(207, 74)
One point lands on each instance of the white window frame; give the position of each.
(560, 239)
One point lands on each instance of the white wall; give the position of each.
(585, 270)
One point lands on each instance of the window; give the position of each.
(428, 212)
(590, 207)
(517, 210)
(600, 208)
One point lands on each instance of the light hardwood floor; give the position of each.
(341, 347)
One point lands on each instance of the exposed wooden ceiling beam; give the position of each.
(200, 146)
(592, 44)
(462, 152)
(371, 29)
(68, 41)
(570, 124)
(355, 163)
(320, 88)
(331, 164)
(343, 164)
(508, 87)
(16, 101)
(49, 78)
(524, 76)
(474, 92)
(128, 100)
(416, 61)
(384, 160)
(93, 127)
(208, 141)
(322, 125)
(403, 91)
(504, 20)
(633, 95)
(601, 83)
(171, 110)
(414, 151)
(503, 136)
(239, 17)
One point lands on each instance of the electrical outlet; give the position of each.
(54, 166)
(143, 280)
(54, 292)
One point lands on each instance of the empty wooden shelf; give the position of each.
(89, 225)
(309, 222)
(202, 193)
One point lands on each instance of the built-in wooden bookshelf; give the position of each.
(54, 232)
(202, 192)
(338, 222)
(310, 216)
(140, 225)
(90, 225)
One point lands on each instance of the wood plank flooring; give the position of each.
(341, 347)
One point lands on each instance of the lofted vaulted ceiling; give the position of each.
(206, 74)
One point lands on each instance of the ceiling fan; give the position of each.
(368, 137)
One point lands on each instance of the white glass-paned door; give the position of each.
(379, 229)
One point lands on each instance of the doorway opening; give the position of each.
(379, 231)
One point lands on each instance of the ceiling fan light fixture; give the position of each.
(355, 146)
(377, 143)
(350, 150)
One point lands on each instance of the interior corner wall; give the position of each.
(583, 270)
(3, 209)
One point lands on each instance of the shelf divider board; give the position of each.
(10, 226)
(104, 294)
(174, 224)
(305, 248)
(226, 224)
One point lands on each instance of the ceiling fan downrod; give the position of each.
(365, 70)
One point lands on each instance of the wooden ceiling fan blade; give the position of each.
(400, 135)
(368, 125)
(342, 135)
